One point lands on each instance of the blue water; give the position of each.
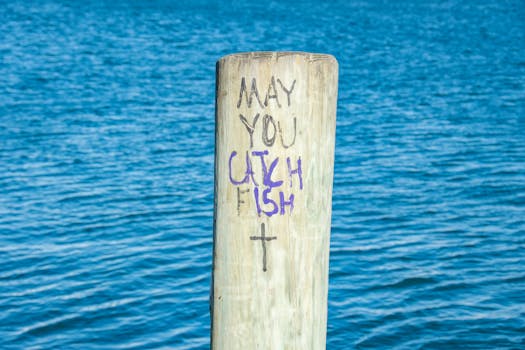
(106, 169)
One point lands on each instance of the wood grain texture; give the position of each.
(274, 156)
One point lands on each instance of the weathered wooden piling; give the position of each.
(274, 154)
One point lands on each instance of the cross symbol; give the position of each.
(263, 240)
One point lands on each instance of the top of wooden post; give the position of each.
(278, 54)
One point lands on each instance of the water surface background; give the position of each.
(106, 169)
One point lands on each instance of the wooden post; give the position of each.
(274, 154)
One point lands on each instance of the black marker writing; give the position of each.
(263, 240)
